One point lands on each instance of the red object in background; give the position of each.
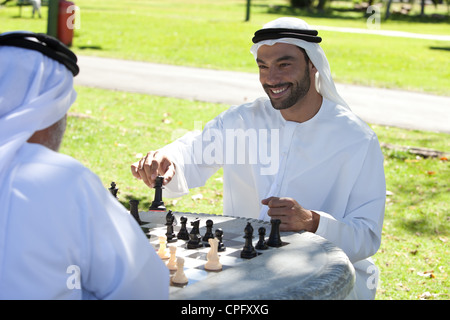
(66, 21)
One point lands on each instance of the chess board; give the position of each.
(195, 259)
(306, 266)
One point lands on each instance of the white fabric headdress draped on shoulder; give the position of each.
(35, 92)
(324, 82)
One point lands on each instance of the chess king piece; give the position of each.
(158, 204)
(183, 234)
(248, 251)
(274, 237)
(170, 220)
(179, 278)
(213, 263)
(195, 241)
(208, 234)
(261, 245)
(172, 263)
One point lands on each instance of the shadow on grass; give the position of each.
(440, 48)
(330, 13)
(90, 47)
(350, 14)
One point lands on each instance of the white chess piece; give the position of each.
(172, 261)
(179, 277)
(213, 263)
(162, 252)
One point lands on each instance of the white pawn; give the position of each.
(213, 263)
(179, 277)
(162, 252)
(172, 261)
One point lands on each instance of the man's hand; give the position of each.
(292, 215)
(153, 164)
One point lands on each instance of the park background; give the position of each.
(109, 130)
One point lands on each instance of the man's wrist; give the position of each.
(315, 218)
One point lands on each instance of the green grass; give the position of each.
(213, 34)
(109, 130)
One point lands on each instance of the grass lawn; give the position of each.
(213, 34)
(121, 127)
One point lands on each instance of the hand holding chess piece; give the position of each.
(154, 163)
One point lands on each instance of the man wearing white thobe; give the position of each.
(299, 155)
(62, 234)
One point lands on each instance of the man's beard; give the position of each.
(298, 92)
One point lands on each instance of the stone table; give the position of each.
(308, 267)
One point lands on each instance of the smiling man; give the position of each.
(286, 74)
(329, 176)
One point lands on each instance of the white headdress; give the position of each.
(297, 32)
(35, 92)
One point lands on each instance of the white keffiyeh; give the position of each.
(324, 82)
(35, 92)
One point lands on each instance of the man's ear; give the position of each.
(312, 67)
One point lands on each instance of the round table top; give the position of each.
(307, 266)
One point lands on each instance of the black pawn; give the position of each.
(195, 239)
(219, 236)
(157, 203)
(183, 234)
(208, 235)
(134, 211)
(261, 245)
(113, 189)
(170, 220)
(248, 251)
(274, 237)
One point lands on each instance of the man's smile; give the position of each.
(277, 91)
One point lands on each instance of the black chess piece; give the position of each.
(195, 239)
(183, 234)
(274, 237)
(261, 245)
(134, 211)
(219, 236)
(208, 234)
(248, 251)
(170, 221)
(158, 204)
(147, 231)
(113, 189)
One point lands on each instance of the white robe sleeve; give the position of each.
(195, 160)
(120, 263)
(358, 233)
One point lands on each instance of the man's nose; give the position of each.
(272, 77)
